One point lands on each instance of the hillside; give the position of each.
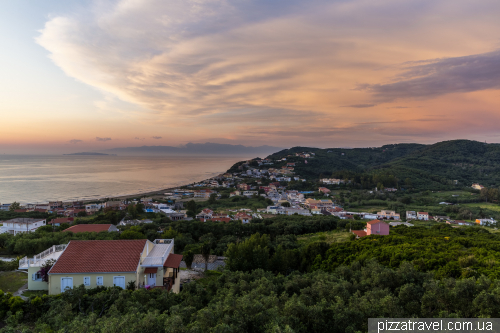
(416, 165)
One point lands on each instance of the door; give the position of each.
(119, 281)
(152, 279)
(66, 283)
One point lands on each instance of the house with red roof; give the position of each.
(375, 227)
(107, 263)
(60, 220)
(243, 217)
(91, 228)
(324, 190)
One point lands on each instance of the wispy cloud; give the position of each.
(75, 141)
(282, 67)
(156, 137)
(359, 106)
(444, 76)
(137, 138)
(102, 139)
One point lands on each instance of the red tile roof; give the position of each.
(61, 220)
(173, 260)
(99, 256)
(89, 228)
(371, 222)
(220, 219)
(359, 233)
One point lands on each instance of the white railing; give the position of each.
(152, 261)
(40, 259)
(163, 241)
(50, 250)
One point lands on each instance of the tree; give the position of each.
(15, 205)
(188, 258)
(132, 210)
(140, 208)
(212, 199)
(285, 204)
(81, 214)
(206, 250)
(191, 206)
(132, 233)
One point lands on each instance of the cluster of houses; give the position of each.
(242, 215)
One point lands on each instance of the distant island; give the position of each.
(91, 154)
(197, 149)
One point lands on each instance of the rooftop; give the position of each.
(89, 228)
(98, 256)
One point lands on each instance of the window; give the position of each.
(86, 280)
(99, 281)
(36, 277)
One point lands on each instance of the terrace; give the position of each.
(52, 253)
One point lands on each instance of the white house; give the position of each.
(423, 216)
(92, 208)
(411, 215)
(489, 221)
(18, 225)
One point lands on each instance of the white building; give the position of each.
(4, 206)
(18, 225)
(92, 208)
(331, 181)
(276, 210)
(250, 193)
(489, 221)
(423, 216)
(411, 215)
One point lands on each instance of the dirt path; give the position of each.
(20, 291)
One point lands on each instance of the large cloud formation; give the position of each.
(444, 76)
(315, 61)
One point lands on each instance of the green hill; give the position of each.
(420, 166)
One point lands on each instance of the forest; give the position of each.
(408, 166)
(273, 283)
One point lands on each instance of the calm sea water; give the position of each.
(32, 179)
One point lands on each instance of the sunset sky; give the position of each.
(91, 75)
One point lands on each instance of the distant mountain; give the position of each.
(89, 154)
(435, 166)
(197, 148)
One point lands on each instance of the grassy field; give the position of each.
(450, 195)
(368, 209)
(483, 205)
(327, 236)
(12, 281)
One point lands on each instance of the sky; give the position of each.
(91, 75)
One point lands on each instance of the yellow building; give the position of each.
(107, 263)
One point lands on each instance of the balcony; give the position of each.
(40, 259)
(158, 254)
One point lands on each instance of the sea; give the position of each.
(39, 179)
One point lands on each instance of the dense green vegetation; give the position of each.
(410, 166)
(260, 301)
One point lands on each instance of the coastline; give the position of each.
(84, 189)
(143, 194)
